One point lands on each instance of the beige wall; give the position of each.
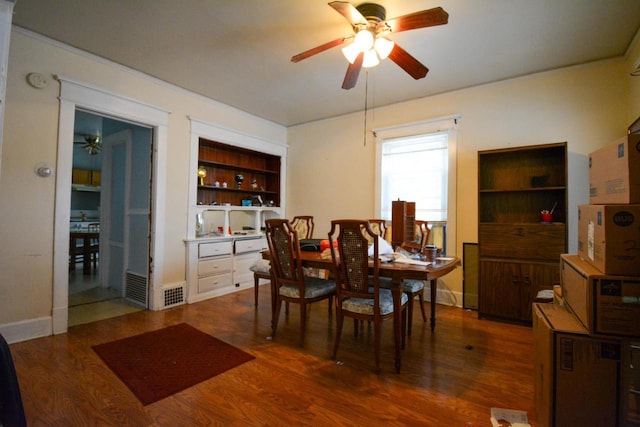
(30, 137)
(633, 59)
(586, 106)
(331, 171)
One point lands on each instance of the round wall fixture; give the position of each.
(36, 80)
(43, 171)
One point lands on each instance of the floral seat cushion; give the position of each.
(314, 287)
(365, 306)
(261, 266)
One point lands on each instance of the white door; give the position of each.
(125, 211)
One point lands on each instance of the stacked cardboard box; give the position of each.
(588, 351)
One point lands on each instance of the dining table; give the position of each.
(397, 272)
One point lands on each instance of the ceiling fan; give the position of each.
(91, 143)
(369, 42)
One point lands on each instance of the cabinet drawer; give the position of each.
(214, 266)
(526, 241)
(206, 284)
(250, 245)
(215, 248)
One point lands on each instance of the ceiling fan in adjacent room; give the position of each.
(91, 143)
(369, 42)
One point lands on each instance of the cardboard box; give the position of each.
(576, 376)
(604, 304)
(631, 384)
(614, 172)
(609, 237)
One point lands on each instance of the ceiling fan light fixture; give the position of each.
(351, 52)
(370, 59)
(93, 144)
(383, 47)
(364, 40)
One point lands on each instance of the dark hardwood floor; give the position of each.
(451, 377)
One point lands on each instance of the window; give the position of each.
(416, 162)
(415, 168)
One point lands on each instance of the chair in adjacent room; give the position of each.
(359, 294)
(11, 408)
(94, 246)
(291, 285)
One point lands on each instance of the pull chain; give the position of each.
(366, 94)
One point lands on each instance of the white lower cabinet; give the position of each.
(221, 266)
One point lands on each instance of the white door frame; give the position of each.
(75, 94)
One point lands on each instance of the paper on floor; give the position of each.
(513, 417)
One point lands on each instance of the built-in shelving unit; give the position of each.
(226, 224)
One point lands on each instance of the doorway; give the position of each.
(110, 200)
(74, 96)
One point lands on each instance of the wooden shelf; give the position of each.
(239, 168)
(223, 162)
(515, 190)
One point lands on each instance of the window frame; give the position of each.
(447, 124)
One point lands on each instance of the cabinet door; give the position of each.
(500, 290)
(507, 289)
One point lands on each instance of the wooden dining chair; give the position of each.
(415, 288)
(359, 294)
(291, 285)
(262, 269)
(379, 227)
(303, 225)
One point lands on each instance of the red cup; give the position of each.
(547, 217)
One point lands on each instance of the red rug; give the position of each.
(157, 364)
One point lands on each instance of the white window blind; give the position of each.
(415, 168)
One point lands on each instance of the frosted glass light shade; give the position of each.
(351, 52)
(370, 59)
(364, 40)
(384, 47)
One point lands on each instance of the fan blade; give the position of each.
(408, 63)
(349, 11)
(318, 49)
(426, 18)
(353, 71)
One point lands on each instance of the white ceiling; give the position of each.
(238, 51)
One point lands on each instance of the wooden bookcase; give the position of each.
(222, 162)
(518, 254)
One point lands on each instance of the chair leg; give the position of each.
(336, 342)
(377, 339)
(421, 299)
(303, 318)
(409, 312)
(404, 325)
(276, 316)
(256, 283)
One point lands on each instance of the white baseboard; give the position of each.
(444, 296)
(27, 329)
